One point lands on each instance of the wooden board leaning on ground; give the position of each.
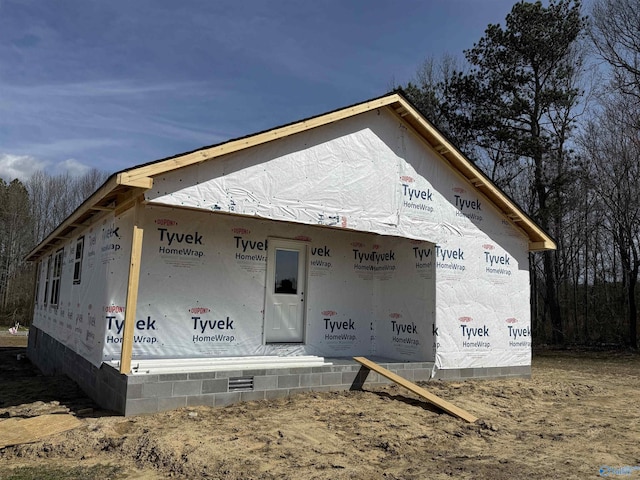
(429, 397)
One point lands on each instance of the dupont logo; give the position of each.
(407, 179)
(488, 246)
(376, 247)
(395, 315)
(511, 320)
(199, 310)
(167, 222)
(465, 319)
(114, 309)
(303, 238)
(357, 244)
(458, 190)
(241, 231)
(329, 313)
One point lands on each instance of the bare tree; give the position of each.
(616, 35)
(54, 198)
(28, 212)
(612, 148)
(523, 93)
(428, 92)
(514, 112)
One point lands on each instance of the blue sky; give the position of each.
(112, 84)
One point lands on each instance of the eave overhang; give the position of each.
(119, 190)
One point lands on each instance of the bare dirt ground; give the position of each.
(577, 415)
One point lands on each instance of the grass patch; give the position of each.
(95, 472)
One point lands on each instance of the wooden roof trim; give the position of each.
(142, 173)
(142, 177)
(92, 206)
(540, 246)
(101, 208)
(139, 182)
(540, 239)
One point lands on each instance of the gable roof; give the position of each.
(122, 188)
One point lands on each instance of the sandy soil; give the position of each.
(578, 414)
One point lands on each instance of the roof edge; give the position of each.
(141, 177)
(448, 151)
(149, 170)
(104, 199)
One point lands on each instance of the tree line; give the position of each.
(29, 211)
(548, 105)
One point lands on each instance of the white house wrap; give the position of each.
(359, 232)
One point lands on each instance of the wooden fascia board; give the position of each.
(79, 215)
(542, 245)
(135, 175)
(101, 208)
(139, 182)
(87, 205)
(539, 239)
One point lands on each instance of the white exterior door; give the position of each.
(285, 287)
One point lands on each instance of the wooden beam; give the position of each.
(128, 203)
(429, 397)
(132, 300)
(101, 208)
(403, 112)
(471, 172)
(538, 246)
(82, 210)
(442, 149)
(164, 166)
(140, 182)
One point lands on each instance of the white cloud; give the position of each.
(19, 166)
(73, 167)
(23, 167)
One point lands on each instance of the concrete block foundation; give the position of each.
(140, 394)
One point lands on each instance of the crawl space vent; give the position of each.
(237, 384)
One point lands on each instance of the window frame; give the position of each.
(36, 294)
(77, 261)
(47, 280)
(56, 276)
